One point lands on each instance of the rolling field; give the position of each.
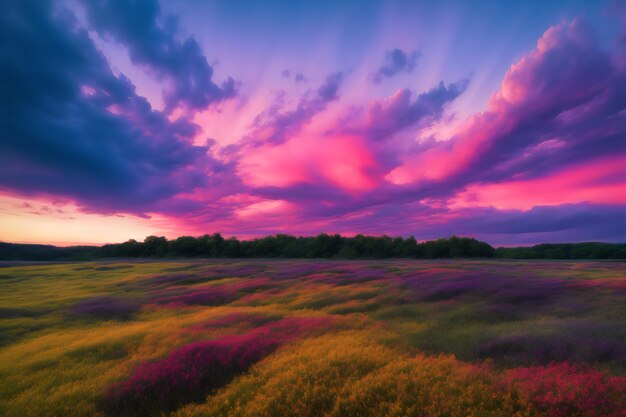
(313, 338)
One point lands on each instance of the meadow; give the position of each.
(260, 337)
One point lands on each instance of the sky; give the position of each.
(504, 121)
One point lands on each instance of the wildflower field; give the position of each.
(313, 338)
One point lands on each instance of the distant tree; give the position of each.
(587, 250)
(232, 248)
(217, 244)
(439, 248)
(154, 246)
(347, 252)
(185, 246)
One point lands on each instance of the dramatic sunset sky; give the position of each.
(502, 120)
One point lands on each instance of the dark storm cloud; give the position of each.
(151, 41)
(71, 128)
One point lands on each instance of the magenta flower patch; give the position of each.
(192, 371)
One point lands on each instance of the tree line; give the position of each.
(320, 246)
(586, 250)
(287, 246)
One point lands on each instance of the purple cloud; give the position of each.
(282, 124)
(538, 123)
(71, 128)
(387, 117)
(182, 65)
(396, 61)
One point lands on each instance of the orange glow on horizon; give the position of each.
(28, 220)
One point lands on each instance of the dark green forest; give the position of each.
(321, 246)
(286, 246)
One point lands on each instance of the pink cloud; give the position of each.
(566, 81)
(601, 182)
(343, 161)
